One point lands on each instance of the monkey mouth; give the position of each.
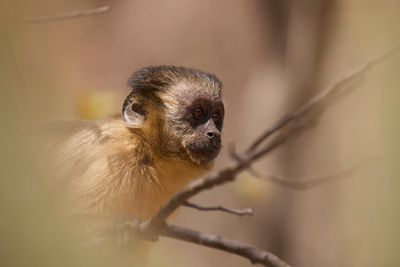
(203, 152)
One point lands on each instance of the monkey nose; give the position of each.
(213, 135)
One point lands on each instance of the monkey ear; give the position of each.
(133, 114)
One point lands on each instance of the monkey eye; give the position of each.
(216, 117)
(198, 113)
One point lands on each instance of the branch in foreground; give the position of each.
(286, 127)
(255, 255)
(282, 131)
(241, 212)
(208, 182)
(70, 15)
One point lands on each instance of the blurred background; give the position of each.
(271, 56)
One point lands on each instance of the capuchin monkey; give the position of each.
(169, 133)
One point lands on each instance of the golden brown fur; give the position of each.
(132, 166)
(104, 168)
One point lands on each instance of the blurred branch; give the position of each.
(248, 211)
(299, 119)
(286, 127)
(69, 15)
(303, 41)
(328, 91)
(304, 185)
(255, 255)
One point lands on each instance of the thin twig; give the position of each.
(308, 184)
(69, 15)
(324, 94)
(241, 212)
(207, 182)
(285, 128)
(228, 174)
(255, 255)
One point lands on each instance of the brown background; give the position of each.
(271, 56)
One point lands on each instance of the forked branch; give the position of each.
(281, 131)
(325, 94)
(278, 134)
(255, 255)
(248, 211)
(312, 183)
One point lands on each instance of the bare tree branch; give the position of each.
(308, 184)
(324, 94)
(285, 128)
(207, 182)
(281, 131)
(69, 15)
(248, 211)
(255, 255)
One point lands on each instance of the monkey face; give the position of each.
(177, 111)
(200, 126)
(205, 143)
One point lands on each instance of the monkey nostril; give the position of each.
(210, 134)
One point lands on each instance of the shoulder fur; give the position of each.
(106, 169)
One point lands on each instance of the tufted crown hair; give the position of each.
(155, 79)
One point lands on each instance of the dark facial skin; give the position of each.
(205, 116)
(182, 110)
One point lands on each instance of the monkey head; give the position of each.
(177, 110)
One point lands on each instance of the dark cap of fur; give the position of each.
(155, 79)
